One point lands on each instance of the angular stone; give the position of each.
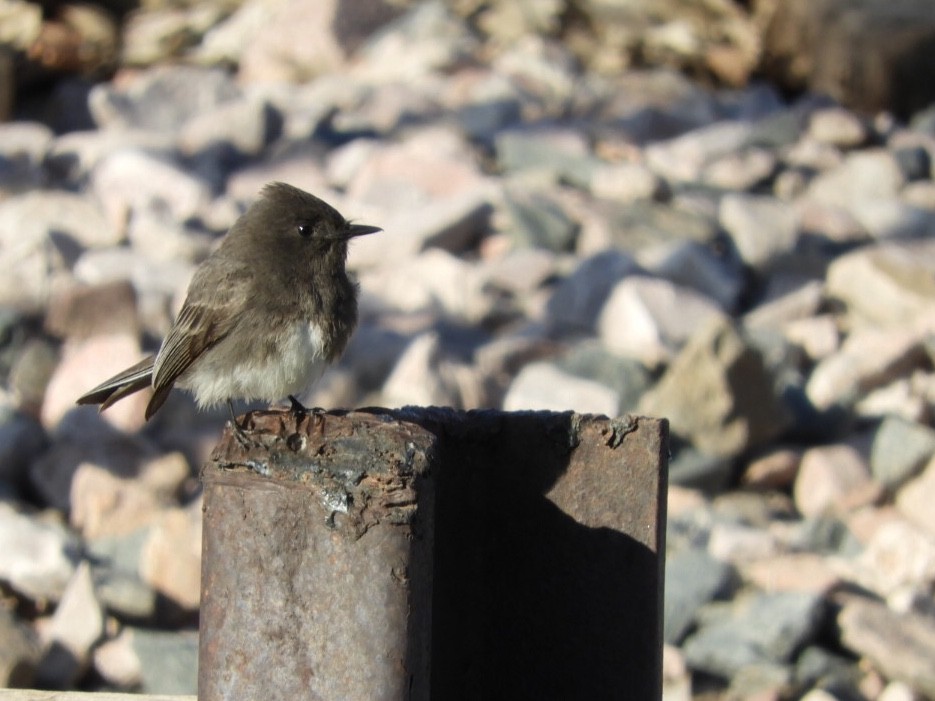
(900, 449)
(19, 652)
(886, 285)
(36, 557)
(538, 220)
(761, 629)
(801, 572)
(117, 662)
(915, 498)
(171, 558)
(542, 386)
(651, 319)
(898, 559)
(77, 624)
(776, 468)
(867, 359)
(900, 646)
(718, 394)
(693, 578)
(827, 476)
(82, 312)
(838, 127)
(168, 660)
(578, 298)
(415, 379)
(762, 228)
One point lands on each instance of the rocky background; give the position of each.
(713, 211)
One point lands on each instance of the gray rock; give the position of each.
(37, 558)
(900, 450)
(538, 220)
(168, 660)
(561, 153)
(713, 271)
(718, 394)
(76, 625)
(133, 180)
(246, 126)
(542, 386)
(21, 440)
(693, 578)
(684, 157)
(19, 652)
(578, 298)
(764, 628)
(426, 39)
(651, 319)
(73, 156)
(821, 668)
(23, 147)
(887, 284)
(628, 378)
(162, 98)
(762, 228)
(900, 646)
(743, 170)
(692, 468)
(645, 225)
(915, 162)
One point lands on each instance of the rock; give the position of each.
(82, 312)
(801, 572)
(676, 678)
(776, 468)
(537, 220)
(578, 298)
(82, 436)
(740, 171)
(561, 154)
(692, 468)
(762, 681)
(898, 559)
(624, 182)
(36, 557)
(765, 628)
(628, 378)
(801, 302)
(19, 652)
(542, 386)
(915, 162)
(651, 319)
(683, 158)
(31, 373)
(865, 57)
(820, 669)
(41, 236)
(77, 624)
(693, 578)
(915, 498)
(886, 285)
(416, 380)
(900, 449)
(245, 126)
(837, 127)
(866, 359)
(117, 662)
(153, 34)
(718, 394)
(900, 646)
(21, 439)
(129, 181)
(828, 477)
(86, 364)
(23, 148)
(171, 557)
(712, 272)
(161, 99)
(103, 504)
(117, 580)
(168, 660)
(762, 228)
(73, 156)
(434, 281)
(453, 224)
(818, 336)
(739, 543)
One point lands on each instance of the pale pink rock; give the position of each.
(117, 662)
(916, 498)
(170, 561)
(774, 469)
(805, 572)
(827, 475)
(86, 364)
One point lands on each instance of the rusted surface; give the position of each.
(314, 549)
(428, 553)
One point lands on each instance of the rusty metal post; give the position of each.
(316, 571)
(428, 553)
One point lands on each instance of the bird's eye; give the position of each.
(304, 230)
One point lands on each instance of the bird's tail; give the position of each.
(131, 380)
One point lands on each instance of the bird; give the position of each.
(264, 315)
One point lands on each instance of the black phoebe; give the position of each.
(265, 314)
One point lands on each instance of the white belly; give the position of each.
(258, 376)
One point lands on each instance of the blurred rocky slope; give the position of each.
(599, 206)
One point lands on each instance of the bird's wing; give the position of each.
(208, 316)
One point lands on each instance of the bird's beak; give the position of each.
(361, 230)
